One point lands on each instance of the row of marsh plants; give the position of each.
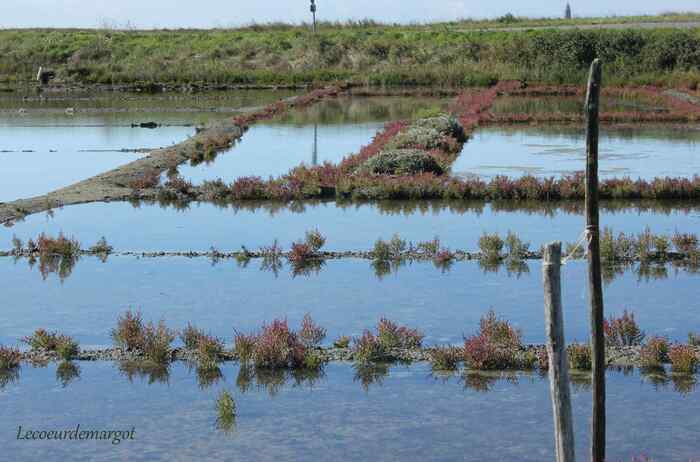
(497, 345)
(363, 53)
(647, 246)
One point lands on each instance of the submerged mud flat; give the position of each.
(313, 418)
(344, 296)
(643, 152)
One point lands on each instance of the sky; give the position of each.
(147, 14)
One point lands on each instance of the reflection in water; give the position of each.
(145, 370)
(484, 381)
(208, 376)
(368, 374)
(273, 380)
(660, 378)
(67, 372)
(8, 376)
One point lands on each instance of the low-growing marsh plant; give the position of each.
(496, 345)
(190, 336)
(101, 247)
(129, 331)
(10, 358)
(157, 340)
(683, 359)
(311, 335)
(391, 335)
(64, 346)
(623, 331)
(226, 412)
(150, 178)
(430, 248)
(579, 356)
(315, 240)
(654, 353)
(685, 242)
(491, 246)
(391, 250)
(243, 346)
(444, 358)
(342, 342)
(515, 247)
(367, 348)
(209, 351)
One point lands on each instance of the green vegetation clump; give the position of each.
(226, 412)
(579, 356)
(342, 342)
(445, 358)
(368, 53)
(654, 353)
(491, 246)
(401, 162)
(622, 331)
(10, 358)
(683, 358)
(63, 345)
(154, 341)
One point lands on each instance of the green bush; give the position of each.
(401, 162)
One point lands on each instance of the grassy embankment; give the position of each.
(456, 54)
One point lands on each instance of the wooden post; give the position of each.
(556, 352)
(595, 286)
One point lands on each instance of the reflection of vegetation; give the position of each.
(8, 376)
(67, 372)
(483, 381)
(154, 373)
(370, 374)
(226, 410)
(208, 376)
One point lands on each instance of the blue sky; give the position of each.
(217, 13)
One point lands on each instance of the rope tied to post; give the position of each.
(586, 235)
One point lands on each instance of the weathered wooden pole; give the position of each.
(595, 285)
(313, 13)
(556, 352)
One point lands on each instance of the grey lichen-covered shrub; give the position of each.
(401, 162)
(445, 125)
(416, 137)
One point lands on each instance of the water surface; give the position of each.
(344, 296)
(643, 152)
(346, 226)
(402, 413)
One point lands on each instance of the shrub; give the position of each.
(10, 358)
(367, 348)
(401, 162)
(310, 334)
(278, 347)
(579, 356)
(430, 247)
(66, 348)
(622, 331)
(444, 358)
(390, 335)
(129, 332)
(499, 331)
(315, 240)
(243, 346)
(63, 345)
(444, 125)
(156, 342)
(515, 247)
(60, 246)
(148, 179)
(342, 342)
(42, 340)
(685, 243)
(491, 246)
(683, 359)
(209, 351)
(392, 250)
(226, 410)
(101, 247)
(654, 353)
(190, 337)
(497, 345)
